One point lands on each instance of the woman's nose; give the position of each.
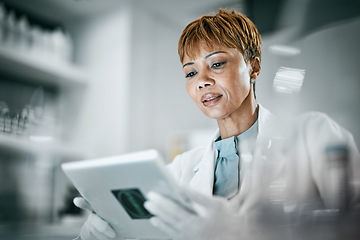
(205, 81)
(203, 85)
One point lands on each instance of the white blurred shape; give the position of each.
(288, 80)
(41, 138)
(284, 50)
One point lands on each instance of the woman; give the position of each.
(229, 182)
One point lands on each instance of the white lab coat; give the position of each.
(299, 169)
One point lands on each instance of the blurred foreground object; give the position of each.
(311, 172)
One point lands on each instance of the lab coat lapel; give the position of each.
(251, 175)
(260, 175)
(264, 117)
(203, 179)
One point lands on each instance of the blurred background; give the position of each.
(90, 78)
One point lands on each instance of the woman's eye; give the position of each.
(218, 65)
(190, 74)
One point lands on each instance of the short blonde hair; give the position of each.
(231, 29)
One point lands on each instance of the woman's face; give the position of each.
(218, 81)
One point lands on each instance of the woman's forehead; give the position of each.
(202, 49)
(195, 49)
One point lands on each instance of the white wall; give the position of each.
(160, 107)
(103, 47)
(333, 83)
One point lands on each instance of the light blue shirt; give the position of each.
(227, 169)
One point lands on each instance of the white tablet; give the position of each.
(116, 188)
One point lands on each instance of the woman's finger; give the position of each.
(202, 199)
(101, 226)
(165, 208)
(82, 203)
(170, 230)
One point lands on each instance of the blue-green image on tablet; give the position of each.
(133, 202)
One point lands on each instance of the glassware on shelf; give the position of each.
(3, 107)
(12, 124)
(6, 119)
(52, 46)
(30, 122)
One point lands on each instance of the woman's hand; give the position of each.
(212, 217)
(95, 228)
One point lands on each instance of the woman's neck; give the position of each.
(239, 121)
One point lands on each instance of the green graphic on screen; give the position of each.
(133, 202)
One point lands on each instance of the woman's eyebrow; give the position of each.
(213, 53)
(206, 57)
(189, 63)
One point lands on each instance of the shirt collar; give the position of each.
(251, 132)
(228, 146)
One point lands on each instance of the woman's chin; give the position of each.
(216, 115)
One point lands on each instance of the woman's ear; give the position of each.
(255, 67)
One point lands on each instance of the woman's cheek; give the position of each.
(190, 89)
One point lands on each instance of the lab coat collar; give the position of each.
(203, 179)
(264, 116)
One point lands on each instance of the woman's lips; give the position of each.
(210, 99)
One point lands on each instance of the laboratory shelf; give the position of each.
(21, 145)
(38, 70)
